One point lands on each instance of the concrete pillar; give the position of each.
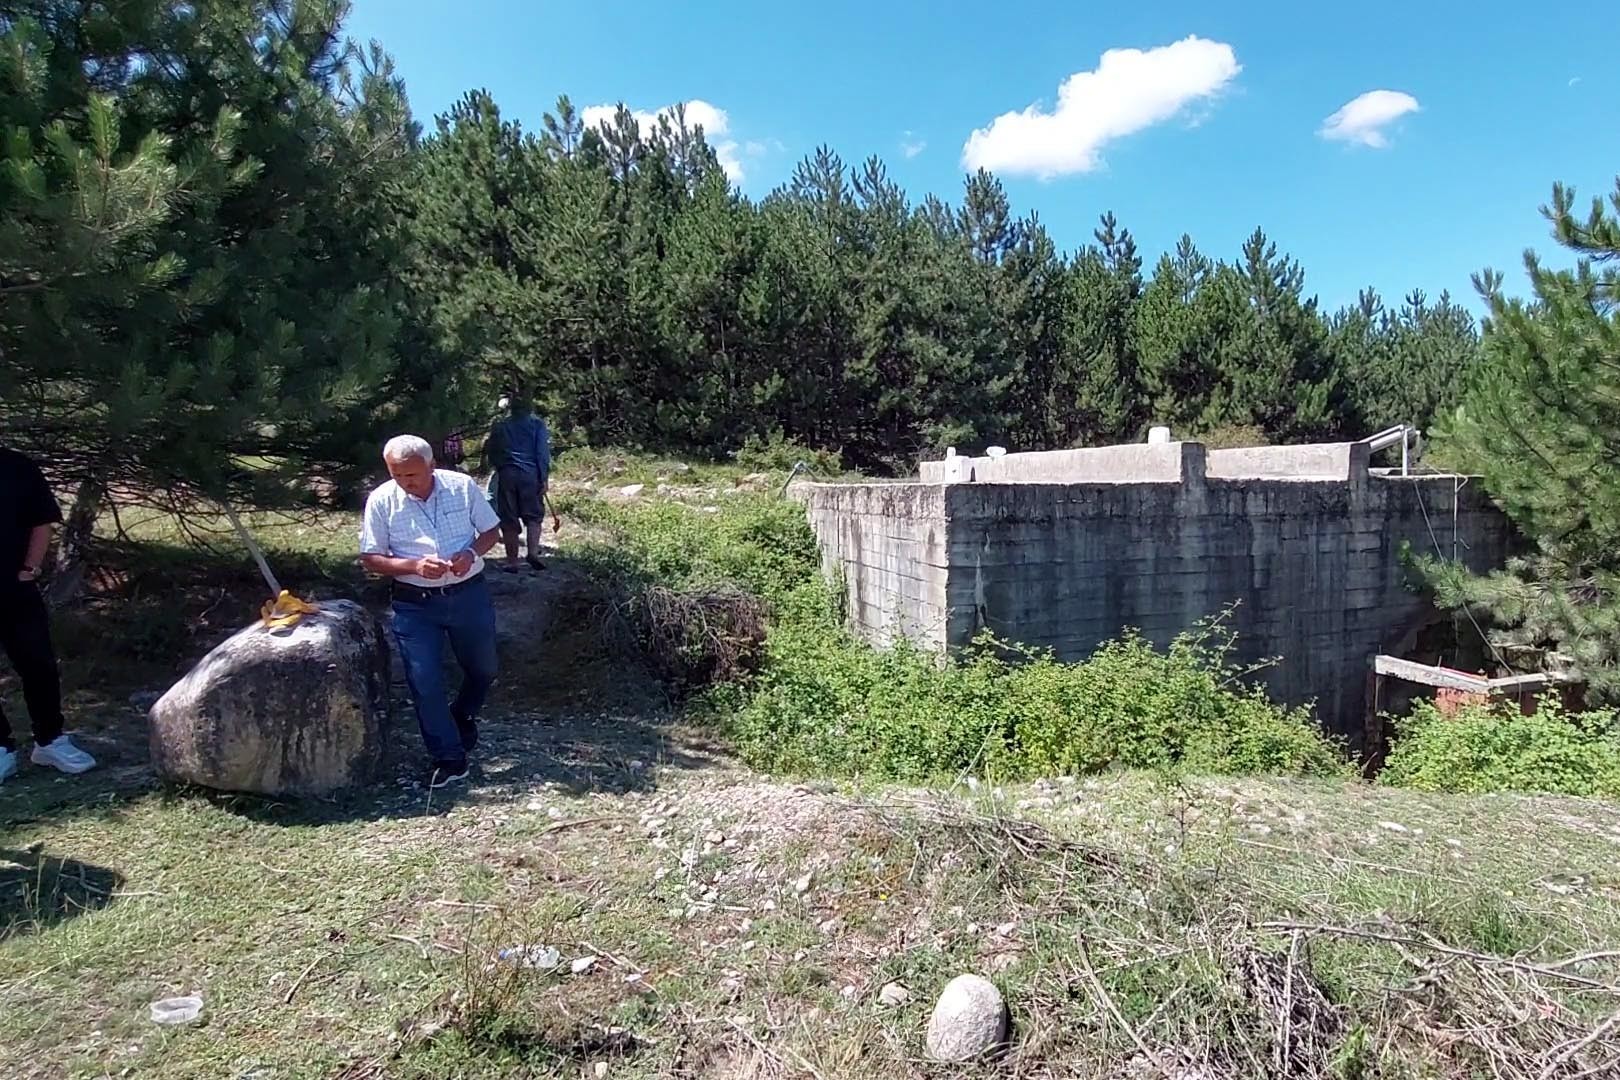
(1158, 435)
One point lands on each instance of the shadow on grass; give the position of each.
(40, 891)
(569, 712)
(573, 754)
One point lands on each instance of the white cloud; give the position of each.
(699, 113)
(911, 146)
(1575, 80)
(1131, 89)
(1366, 119)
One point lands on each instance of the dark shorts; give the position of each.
(517, 496)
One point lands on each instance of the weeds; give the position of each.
(1494, 747)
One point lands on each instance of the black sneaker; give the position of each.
(446, 773)
(535, 563)
(469, 733)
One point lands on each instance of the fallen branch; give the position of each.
(1569, 1055)
(1545, 971)
(1113, 1009)
(293, 991)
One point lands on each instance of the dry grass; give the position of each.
(745, 927)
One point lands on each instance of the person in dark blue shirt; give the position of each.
(519, 449)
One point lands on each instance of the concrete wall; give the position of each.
(1315, 568)
(887, 542)
(1131, 464)
(1312, 461)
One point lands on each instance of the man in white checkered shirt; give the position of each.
(428, 530)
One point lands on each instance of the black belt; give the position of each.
(400, 590)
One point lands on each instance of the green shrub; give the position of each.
(779, 454)
(815, 700)
(1496, 748)
(824, 703)
(759, 543)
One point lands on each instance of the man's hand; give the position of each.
(461, 561)
(28, 573)
(431, 567)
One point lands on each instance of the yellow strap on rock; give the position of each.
(284, 611)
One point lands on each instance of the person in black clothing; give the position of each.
(28, 510)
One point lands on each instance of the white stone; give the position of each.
(969, 1020)
(894, 995)
(582, 965)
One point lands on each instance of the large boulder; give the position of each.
(297, 711)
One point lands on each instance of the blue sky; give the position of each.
(1484, 105)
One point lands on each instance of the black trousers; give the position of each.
(25, 635)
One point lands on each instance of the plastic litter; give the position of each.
(176, 1010)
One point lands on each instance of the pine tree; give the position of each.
(194, 240)
(1541, 423)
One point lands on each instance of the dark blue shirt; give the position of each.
(524, 443)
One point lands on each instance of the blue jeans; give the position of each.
(467, 616)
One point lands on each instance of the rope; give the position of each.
(1440, 553)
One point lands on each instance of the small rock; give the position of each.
(969, 1020)
(630, 491)
(554, 814)
(831, 925)
(803, 884)
(894, 995)
(850, 993)
(601, 1069)
(582, 965)
(1393, 826)
(716, 838)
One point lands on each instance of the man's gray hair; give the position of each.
(405, 447)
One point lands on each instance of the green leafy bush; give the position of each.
(757, 543)
(779, 454)
(812, 699)
(823, 703)
(1496, 748)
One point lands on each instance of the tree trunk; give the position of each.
(72, 559)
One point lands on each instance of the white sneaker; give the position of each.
(61, 754)
(8, 764)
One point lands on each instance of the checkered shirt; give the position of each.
(453, 515)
